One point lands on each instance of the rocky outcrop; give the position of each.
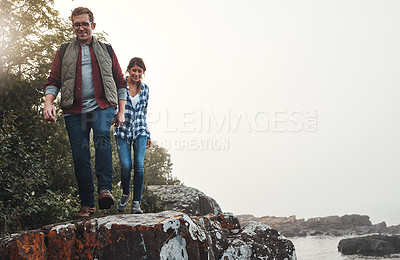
(164, 235)
(186, 199)
(333, 225)
(375, 245)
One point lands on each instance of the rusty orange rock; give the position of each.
(61, 241)
(163, 235)
(28, 245)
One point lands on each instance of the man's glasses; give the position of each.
(84, 25)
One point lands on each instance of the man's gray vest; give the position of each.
(68, 69)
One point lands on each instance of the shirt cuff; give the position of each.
(122, 93)
(51, 90)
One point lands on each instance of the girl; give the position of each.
(133, 133)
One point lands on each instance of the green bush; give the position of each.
(36, 173)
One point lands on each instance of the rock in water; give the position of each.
(164, 235)
(375, 245)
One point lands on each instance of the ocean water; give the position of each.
(325, 248)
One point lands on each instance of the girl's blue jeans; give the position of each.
(125, 157)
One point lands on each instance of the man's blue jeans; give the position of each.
(125, 157)
(78, 128)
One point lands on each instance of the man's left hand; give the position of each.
(119, 119)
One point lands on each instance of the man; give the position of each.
(91, 82)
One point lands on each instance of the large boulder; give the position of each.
(375, 245)
(164, 235)
(186, 199)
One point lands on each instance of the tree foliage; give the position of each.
(158, 166)
(36, 177)
(30, 31)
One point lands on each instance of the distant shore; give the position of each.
(353, 224)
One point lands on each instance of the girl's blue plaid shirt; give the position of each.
(135, 117)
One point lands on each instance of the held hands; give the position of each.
(119, 119)
(148, 143)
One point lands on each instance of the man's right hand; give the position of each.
(49, 111)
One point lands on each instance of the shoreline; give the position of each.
(352, 224)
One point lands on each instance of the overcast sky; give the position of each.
(271, 107)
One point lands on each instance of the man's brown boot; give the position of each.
(106, 199)
(84, 212)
